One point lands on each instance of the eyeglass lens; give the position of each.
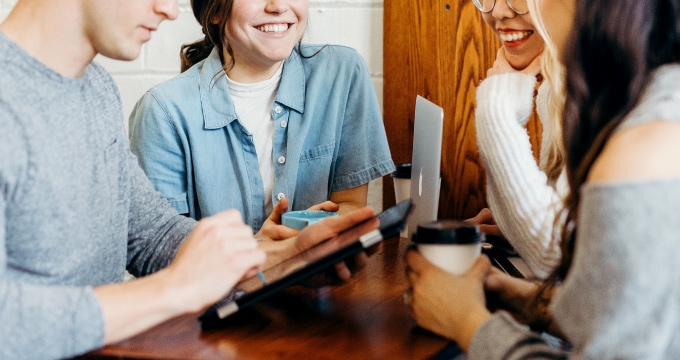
(519, 6)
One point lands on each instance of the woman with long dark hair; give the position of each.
(616, 294)
(260, 122)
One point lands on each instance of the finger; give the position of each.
(495, 281)
(279, 209)
(360, 261)
(417, 262)
(240, 244)
(494, 230)
(336, 224)
(480, 268)
(227, 217)
(485, 216)
(243, 262)
(343, 271)
(326, 205)
(280, 232)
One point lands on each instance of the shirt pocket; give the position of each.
(313, 175)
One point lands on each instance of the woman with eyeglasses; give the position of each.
(524, 197)
(616, 292)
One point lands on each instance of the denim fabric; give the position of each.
(329, 136)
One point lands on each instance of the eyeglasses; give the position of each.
(518, 6)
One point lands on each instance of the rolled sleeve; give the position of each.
(159, 148)
(363, 152)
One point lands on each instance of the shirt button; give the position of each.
(282, 160)
(284, 123)
(280, 196)
(278, 109)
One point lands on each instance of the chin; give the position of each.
(126, 53)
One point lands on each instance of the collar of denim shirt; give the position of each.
(217, 105)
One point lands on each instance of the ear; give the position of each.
(215, 20)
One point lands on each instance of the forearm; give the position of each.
(132, 307)
(351, 199)
(523, 203)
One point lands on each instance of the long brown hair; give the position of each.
(205, 12)
(607, 68)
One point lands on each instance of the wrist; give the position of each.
(471, 322)
(174, 296)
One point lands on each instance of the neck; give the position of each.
(51, 31)
(246, 71)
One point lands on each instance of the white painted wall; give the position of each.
(355, 23)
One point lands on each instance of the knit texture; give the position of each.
(621, 299)
(523, 203)
(75, 208)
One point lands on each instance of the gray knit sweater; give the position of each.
(621, 299)
(75, 208)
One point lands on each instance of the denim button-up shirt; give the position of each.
(328, 136)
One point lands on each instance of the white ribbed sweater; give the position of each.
(523, 203)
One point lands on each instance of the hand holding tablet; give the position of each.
(319, 247)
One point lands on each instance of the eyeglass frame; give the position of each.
(494, 5)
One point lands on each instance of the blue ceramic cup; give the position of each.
(300, 219)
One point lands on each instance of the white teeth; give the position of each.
(515, 36)
(276, 28)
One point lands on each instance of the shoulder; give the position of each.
(336, 57)
(645, 145)
(180, 86)
(179, 92)
(642, 152)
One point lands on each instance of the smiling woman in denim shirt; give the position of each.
(258, 121)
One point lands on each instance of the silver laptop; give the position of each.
(426, 162)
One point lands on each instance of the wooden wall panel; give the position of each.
(440, 50)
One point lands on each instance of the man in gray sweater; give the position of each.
(75, 208)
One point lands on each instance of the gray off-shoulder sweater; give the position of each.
(621, 299)
(75, 208)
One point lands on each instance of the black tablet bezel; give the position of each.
(398, 214)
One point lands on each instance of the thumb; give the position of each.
(279, 209)
(480, 268)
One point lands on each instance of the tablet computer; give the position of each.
(308, 263)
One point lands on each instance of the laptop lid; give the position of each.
(426, 162)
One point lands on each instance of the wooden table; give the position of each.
(362, 319)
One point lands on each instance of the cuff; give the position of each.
(362, 177)
(512, 92)
(498, 337)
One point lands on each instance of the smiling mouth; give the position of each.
(273, 28)
(510, 36)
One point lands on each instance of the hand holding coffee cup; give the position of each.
(451, 245)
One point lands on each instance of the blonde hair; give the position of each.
(554, 73)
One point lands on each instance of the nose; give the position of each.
(502, 10)
(276, 6)
(167, 8)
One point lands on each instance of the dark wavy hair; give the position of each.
(204, 12)
(614, 48)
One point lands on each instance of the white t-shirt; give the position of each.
(253, 104)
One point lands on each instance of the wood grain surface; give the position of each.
(440, 50)
(362, 319)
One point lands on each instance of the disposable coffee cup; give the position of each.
(451, 245)
(401, 178)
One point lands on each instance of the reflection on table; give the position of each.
(362, 319)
